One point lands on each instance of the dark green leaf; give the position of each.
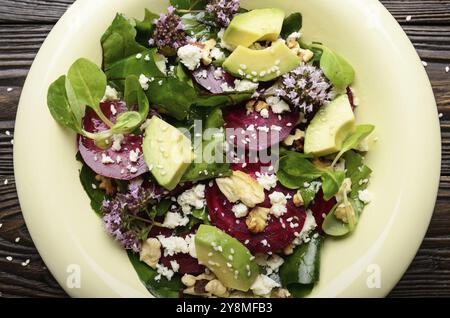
(145, 27)
(302, 268)
(162, 288)
(134, 95)
(297, 165)
(189, 4)
(331, 183)
(291, 24)
(88, 82)
(162, 208)
(352, 141)
(308, 193)
(201, 214)
(59, 106)
(87, 178)
(119, 42)
(336, 68)
(221, 100)
(196, 28)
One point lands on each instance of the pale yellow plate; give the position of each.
(394, 94)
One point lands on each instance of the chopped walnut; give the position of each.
(241, 187)
(216, 288)
(188, 280)
(304, 54)
(197, 284)
(106, 184)
(255, 105)
(289, 250)
(257, 219)
(282, 293)
(345, 212)
(151, 252)
(291, 139)
(298, 200)
(206, 50)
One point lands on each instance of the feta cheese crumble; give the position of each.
(263, 285)
(240, 210)
(111, 94)
(264, 113)
(143, 80)
(117, 142)
(278, 201)
(309, 226)
(244, 86)
(175, 244)
(267, 181)
(194, 197)
(173, 220)
(107, 159)
(190, 55)
(365, 196)
(163, 271)
(278, 105)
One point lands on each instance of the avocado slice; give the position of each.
(256, 25)
(329, 128)
(261, 65)
(226, 257)
(167, 152)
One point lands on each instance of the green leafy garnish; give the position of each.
(335, 67)
(90, 185)
(189, 4)
(293, 23)
(145, 28)
(301, 270)
(352, 141)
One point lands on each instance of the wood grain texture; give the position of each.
(24, 24)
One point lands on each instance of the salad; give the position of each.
(219, 148)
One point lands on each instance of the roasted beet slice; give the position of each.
(98, 159)
(254, 132)
(212, 78)
(188, 264)
(279, 233)
(321, 208)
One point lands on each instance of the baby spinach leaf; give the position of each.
(289, 181)
(302, 269)
(90, 185)
(221, 100)
(331, 182)
(162, 288)
(201, 214)
(336, 68)
(78, 109)
(352, 141)
(291, 24)
(358, 172)
(59, 105)
(134, 95)
(297, 166)
(308, 193)
(119, 41)
(145, 27)
(196, 28)
(334, 227)
(189, 4)
(88, 85)
(161, 208)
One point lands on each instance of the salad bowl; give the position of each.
(393, 93)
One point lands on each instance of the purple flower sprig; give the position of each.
(169, 34)
(306, 88)
(223, 11)
(122, 218)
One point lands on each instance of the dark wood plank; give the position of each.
(24, 24)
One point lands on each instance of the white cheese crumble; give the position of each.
(163, 271)
(267, 181)
(264, 113)
(143, 80)
(117, 142)
(107, 159)
(294, 36)
(309, 226)
(175, 266)
(111, 94)
(365, 196)
(217, 54)
(160, 62)
(194, 197)
(278, 105)
(278, 201)
(173, 220)
(240, 210)
(134, 155)
(263, 285)
(244, 86)
(190, 55)
(175, 244)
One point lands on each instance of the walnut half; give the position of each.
(151, 252)
(241, 187)
(106, 184)
(257, 219)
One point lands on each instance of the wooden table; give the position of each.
(24, 24)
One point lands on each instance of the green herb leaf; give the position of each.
(162, 288)
(352, 141)
(201, 214)
(87, 178)
(297, 165)
(195, 27)
(336, 68)
(301, 270)
(334, 227)
(59, 105)
(145, 28)
(162, 208)
(189, 4)
(291, 24)
(119, 41)
(331, 182)
(309, 193)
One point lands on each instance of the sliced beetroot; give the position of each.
(212, 78)
(188, 264)
(321, 208)
(254, 132)
(123, 168)
(279, 233)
